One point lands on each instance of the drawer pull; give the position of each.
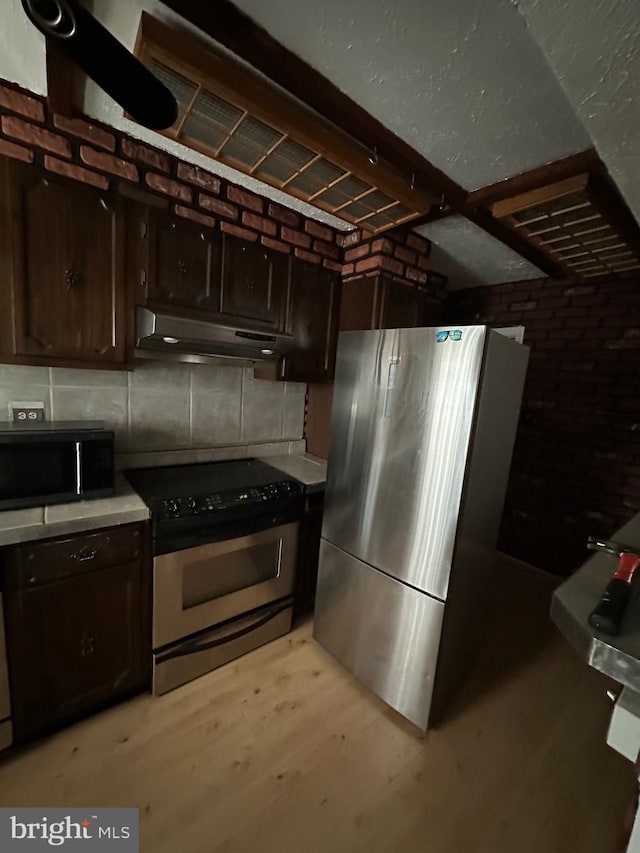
(87, 645)
(85, 554)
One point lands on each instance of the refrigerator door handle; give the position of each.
(391, 387)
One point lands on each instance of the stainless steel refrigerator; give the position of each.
(422, 433)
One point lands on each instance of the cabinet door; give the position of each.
(313, 323)
(359, 308)
(74, 645)
(255, 283)
(184, 263)
(63, 252)
(401, 305)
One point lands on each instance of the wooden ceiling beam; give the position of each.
(60, 79)
(235, 30)
(485, 220)
(535, 179)
(607, 199)
(550, 173)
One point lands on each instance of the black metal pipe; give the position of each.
(103, 58)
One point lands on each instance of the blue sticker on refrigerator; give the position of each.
(454, 334)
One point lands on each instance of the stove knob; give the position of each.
(190, 503)
(172, 507)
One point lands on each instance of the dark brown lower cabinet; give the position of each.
(308, 554)
(78, 625)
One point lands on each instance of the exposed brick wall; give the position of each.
(576, 465)
(401, 253)
(105, 158)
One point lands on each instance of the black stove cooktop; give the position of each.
(210, 501)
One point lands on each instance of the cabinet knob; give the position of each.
(182, 267)
(87, 644)
(72, 277)
(38, 337)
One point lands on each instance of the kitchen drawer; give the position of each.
(36, 563)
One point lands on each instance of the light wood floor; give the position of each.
(283, 751)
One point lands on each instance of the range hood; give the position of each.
(167, 336)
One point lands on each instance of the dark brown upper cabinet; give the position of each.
(402, 306)
(379, 302)
(255, 284)
(313, 322)
(359, 304)
(184, 263)
(62, 261)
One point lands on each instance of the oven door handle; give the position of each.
(202, 645)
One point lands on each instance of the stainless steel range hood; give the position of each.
(167, 336)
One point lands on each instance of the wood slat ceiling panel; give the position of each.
(570, 224)
(251, 127)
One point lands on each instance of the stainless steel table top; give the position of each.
(618, 657)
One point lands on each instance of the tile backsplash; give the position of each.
(164, 406)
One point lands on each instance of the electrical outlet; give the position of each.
(26, 413)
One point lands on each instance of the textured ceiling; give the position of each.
(462, 81)
(470, 257)
(594, 49)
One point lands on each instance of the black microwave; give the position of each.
(53, 463)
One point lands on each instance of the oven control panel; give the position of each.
(216, 501)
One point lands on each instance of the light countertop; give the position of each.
(309, 470)
(617, 657)
(27, 525)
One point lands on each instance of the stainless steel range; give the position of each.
(225, 537)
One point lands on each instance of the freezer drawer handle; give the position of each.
(196, 645)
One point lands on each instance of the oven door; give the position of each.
(200, 587)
